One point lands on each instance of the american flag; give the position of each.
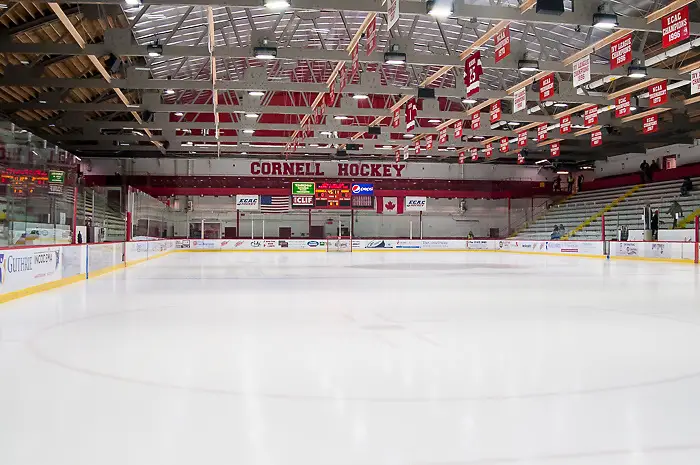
(274, 203)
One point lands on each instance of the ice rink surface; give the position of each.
(356, 359)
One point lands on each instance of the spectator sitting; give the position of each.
(555, 234)
(686, 187)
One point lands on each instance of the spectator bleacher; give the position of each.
(574, 212)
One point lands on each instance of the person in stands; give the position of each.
(653, 169)
(686, 187)
(644, 171)
(555, 234)
(655, 226)
(471, 235)
(580, 182)
(570, 183)
(557, 184)
(676, 212)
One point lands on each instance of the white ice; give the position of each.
(356, 359)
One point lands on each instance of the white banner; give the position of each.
(694, 81)
(248, 202)
(520, 100)
(416, 204)
(392, 13)
(582, 71)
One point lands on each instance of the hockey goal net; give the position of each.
(339, 244)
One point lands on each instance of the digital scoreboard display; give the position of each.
(333, 195)
(23, 182)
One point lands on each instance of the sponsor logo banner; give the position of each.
(415, 204)
(362, 189)
(303, 201)
(248, 202)
(303, 188)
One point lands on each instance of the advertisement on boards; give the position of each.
(23, 268)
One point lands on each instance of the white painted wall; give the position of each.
(229, 167)
(629, 163)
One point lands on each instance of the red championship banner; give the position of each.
(488, 150)
(522, 139)
(621, 52)
(396, 118)
(546, 87)
(417, 147)
(476, 121)
(342, 78)
(474, 153)
(554, 150)
(541, 132)
(651, 124)
(462, 157)
(502, 44)
(675, 27)
(623, 106)
(458, 129)
(371, 34)
(503, 145)
(331, 94)
(658, 94)
(472, 73)
(596, 139)
(590, 116)
(521, 159)
(495, 112)
(565, 125)
(355, 61)
(429, 142)
(411, 113)
(442, 134)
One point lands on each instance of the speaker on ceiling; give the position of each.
(424, 92)
(550, 7)
(374, 130)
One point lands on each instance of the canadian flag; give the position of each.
(390, 205)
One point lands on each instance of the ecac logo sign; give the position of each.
(362, 189)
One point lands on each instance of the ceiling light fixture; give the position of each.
(360, 96)
(394, 58)
(179, 113)
(513, 123)
(562, 172)
(248, 131)
(528, 65)
(636, 70)
(169, 91)
(439, 8)
(276, 4)
(561, 105)
(339, 117)
(326, 133)
(256, 93)
(408, 136)
(265, 53)
(132, 2)
(604, 19)
(540, 162)
(154, 50)
(468, 100)
(251, 115)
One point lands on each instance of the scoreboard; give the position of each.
(333, 195)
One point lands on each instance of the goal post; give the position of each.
(338, 244)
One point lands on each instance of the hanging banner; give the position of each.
(392, 13)
(355, 54)
(546, 87)
(554, 150)
(488, 150)
(417, 147)
(474, 153)
(396, 118)
(371, 34)
(495, 112)
(521, 159)
(429, 142)
(695, 81)
(650, 124)
(623, 106)
(472, 73)
(582, 71)
(675, 27)
(541, 132)
(519, 100)
(411, 113)
(476, 121)
(442, 134)
(462, 156)
(398, 155)
(658, 94)
(522, 139)
(342, 78)
(565, 125)
(502, 44)
(590, 116)
(596, 139)
(458, 129)
(621, 52)
(331, 94)
(405, 153)
(503, 145)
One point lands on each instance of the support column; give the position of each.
(697, 237)
(508, 232)
(602, 226)
(308, 232)
(74, 221)
(238, 224)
